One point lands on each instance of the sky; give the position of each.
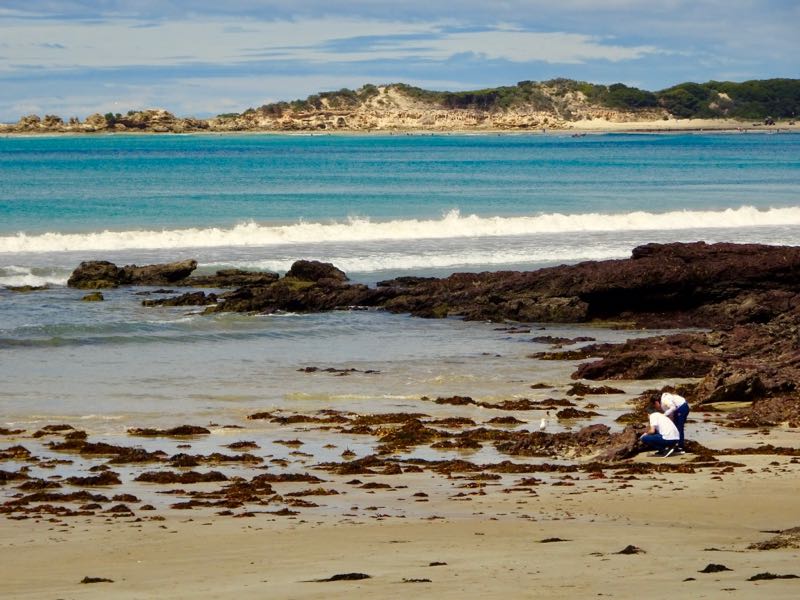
(205, 57)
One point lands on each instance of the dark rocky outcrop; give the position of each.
(160, 274)
(623, 445)
(679, 355)
(227, 278)
(669, 285)
(295, 295)
(587, 440)
(661, 285)
(313, 270)
(103, 274)
(746, 298)
(769, 411)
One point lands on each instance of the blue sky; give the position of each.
(204, 57)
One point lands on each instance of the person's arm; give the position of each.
(671, 407)
(650, 430)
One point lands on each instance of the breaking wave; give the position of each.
(450, 225)
(14, 275)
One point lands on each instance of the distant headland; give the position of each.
(557, 104)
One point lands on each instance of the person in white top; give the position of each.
(676, 408)
(662, 435)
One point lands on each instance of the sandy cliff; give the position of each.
(389, 108)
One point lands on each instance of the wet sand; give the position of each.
(311, 494)
(491, 539)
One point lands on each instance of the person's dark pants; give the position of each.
(656, 441)
(680, 416)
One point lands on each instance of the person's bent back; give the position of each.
(662, 435)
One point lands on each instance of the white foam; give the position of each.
(451, 225)
(445, 260)
(15, 276)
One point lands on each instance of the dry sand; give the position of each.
(491, 543)
(678, 125)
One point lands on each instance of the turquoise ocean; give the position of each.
(377, 207)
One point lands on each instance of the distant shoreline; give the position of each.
(580, 128)
(527, 107)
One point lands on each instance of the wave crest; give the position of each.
(451, 225)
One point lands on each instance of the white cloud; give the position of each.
(526, 46)
(60, 45)
(122, 44)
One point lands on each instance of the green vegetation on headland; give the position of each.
(757, 99)
(528, 105)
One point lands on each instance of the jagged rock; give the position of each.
(96, 274)
(661, 285)
(727, 384)
(103, 274)
(160, 274)
(93, 297)
(623, 445)
(768, 412)
(680, 355)
(295, 295)
(313, 270)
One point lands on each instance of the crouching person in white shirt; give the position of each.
(676, 408)
(662, 435)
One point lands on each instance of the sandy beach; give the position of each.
(676, 520)
(557, 536)
(678, 125)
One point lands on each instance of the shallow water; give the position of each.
(117, 360)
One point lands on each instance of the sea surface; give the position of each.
(377, 207)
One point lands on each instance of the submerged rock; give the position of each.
(187, 299)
